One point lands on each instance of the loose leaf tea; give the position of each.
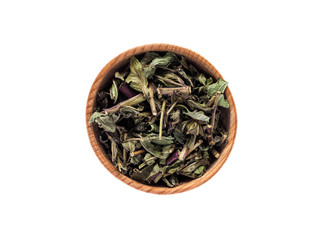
(161, 120)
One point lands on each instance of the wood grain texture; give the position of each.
(106, 74)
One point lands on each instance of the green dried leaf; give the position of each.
(120, 76)
(175, 167)
(159, 61)
(170, 80)
(143, 174)
(154, 128)
(200, 106)
(95, 115)
(220, 86)
(201, 78)
(206, 155)
(209, 81)
(188, 67)
(189, 170)
(192, 127)
(148, 57)
(114, 150)
(164, 140)
(161, 152)
(198, 115)
(179, 136)
(156, 174)
(171, 182)
(223, 102)
(137, 79)
(107, 122)
(136, 160)
(114, 91)
(200, 171)
(175, 116)
(130, 146)
(183, 74)
(129, 112)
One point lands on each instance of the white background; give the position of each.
(52, 186)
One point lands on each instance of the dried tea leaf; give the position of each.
(114, 91)
(148, 160)
(130, 146)
(223, 102)
(164, 141)
(155, 174)
(167, 81)
(137, 79)
(199, 106)
(179, 136)
(175, 167)
(172, 181)
(220, 86)
(136, 160)
(201, 78)
(159, 61)
(161, 152)
(209, 81)
(143, 174)
(200, 171)
(107, 122)
(148, 57)
(192, 127)
(103, 99)
(129, 112)
(198, 115)
(154, 128)
(189, 170)
(95, 115)
(121, 75)
(175, 116)
(184, 75)
(114, 150)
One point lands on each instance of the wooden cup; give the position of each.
(106, 75)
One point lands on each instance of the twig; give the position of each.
(161, 118)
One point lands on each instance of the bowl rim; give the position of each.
(209, 69)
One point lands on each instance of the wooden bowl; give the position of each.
(107, 74)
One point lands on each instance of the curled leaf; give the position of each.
(137, 79)
(142, 175)
(220, 86)
(223, 102)
(198, 106)
(172, 181)
(200, 171)
(164, 140)
(161, 152)
(159, 61)
(107, 122)
(120, 75)
(114, 91)
(148, 57)
(198, 115)
(201, 78)
(179, 136)
(129, 112)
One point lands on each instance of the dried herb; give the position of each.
(161, 121)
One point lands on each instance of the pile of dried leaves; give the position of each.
(160, 121)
